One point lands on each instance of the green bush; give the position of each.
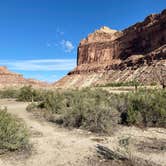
(98, 110)
(119, 84)
(93, 118)
(86, 108)
(142, 108)
(9, 93)
(28, 94)
(147, 108)
(53, 102)
(13, 133)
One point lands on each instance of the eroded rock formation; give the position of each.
(10, 79)
(111, 56)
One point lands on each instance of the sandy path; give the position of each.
(54, 146)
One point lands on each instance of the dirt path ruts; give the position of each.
(52, 146)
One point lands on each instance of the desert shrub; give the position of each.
(153, 83)
(9, 93)
(85, 108)
(142, 108)
(28, 94)
(91, 117)
(146, 108)
(13, 133)
(119, 84)
(53, 102)
(98, 110)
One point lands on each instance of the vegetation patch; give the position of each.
(88, 109)
(13, 132)
(98, 110)
(119, 84)
(25, 94)
(9, 93)
(28, 94)
(145, 108)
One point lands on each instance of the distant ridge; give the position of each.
(11, 79)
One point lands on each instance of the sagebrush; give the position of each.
(98, 110)
(13, 132)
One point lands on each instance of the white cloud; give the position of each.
(67, 45)
(40, 64)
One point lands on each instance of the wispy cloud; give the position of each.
(45, 78)
(60, 42)
(67, 45)
(59, 32)
(48, 44)
(40, 64)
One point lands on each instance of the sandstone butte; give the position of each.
(136, 53)
(10, 79)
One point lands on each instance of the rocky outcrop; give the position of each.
(110, 56)
(10, 79)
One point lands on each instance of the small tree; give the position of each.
(136, 84)
(27, 93)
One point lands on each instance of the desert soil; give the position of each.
(56, 146)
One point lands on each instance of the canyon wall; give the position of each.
(10, 79)
(110, 56)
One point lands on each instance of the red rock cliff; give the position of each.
(11, 79)
(120, 55)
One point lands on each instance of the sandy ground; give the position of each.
(55, 146)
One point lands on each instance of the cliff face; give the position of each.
(110, 56)
(10, 79)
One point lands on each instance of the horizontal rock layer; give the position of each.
(10, 79)
(111, 56)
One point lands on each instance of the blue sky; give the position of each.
(39, 38)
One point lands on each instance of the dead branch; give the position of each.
(109, 154)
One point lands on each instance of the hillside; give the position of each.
(10, 79)
(136, 53)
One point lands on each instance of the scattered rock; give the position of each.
(109, 154)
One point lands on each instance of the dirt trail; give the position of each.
(52, 146)
(55, 146)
